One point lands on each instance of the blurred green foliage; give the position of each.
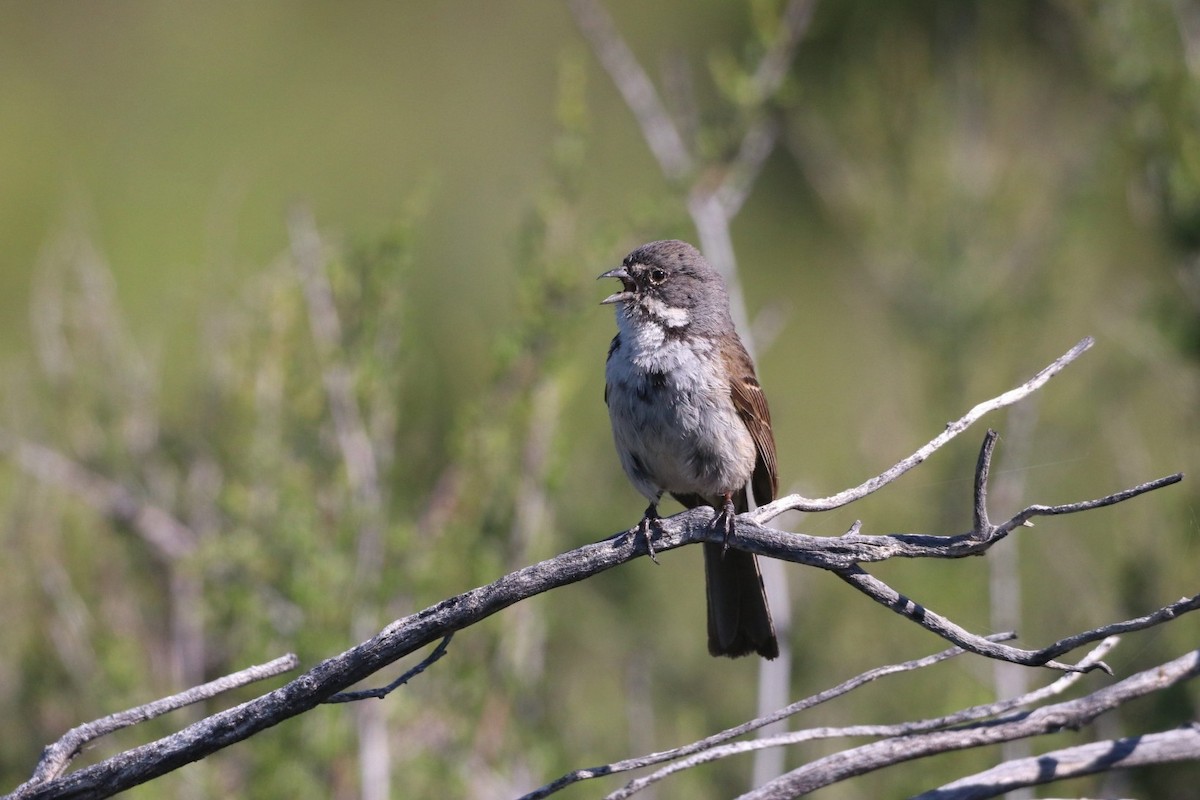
(961, 191)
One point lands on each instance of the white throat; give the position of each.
(651, 344)
(668, 316)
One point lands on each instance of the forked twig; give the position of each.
(635, 86)
(1046, 719)
(986, 711)
(383, 691)
(57, 756)
(795, 502)
(709, 742)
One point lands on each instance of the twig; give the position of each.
(795, 502)
(773, 67)
(383, 691)
(1047, 719)
(635, 87)
(974, 713)
(747, 727)
(757, 145)
(880, 592)
(982, 526)
(57, 756)
(1181, 744)
(853, 547)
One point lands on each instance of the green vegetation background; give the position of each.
(962, 190)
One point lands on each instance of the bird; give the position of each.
(689, 418)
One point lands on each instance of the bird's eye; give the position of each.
(657, 275)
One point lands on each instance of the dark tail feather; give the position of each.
(739, 620)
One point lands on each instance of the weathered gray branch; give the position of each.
(795, 502)
(1180, 744)
(410, 633)
(1070, 714)
(635, 87)
(57, 756)
(958, 718)
(839, 554)
(710, 742)
(880, 592)
(383, 691)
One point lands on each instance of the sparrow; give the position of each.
(689, 418)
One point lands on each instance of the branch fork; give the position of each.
(844, 555)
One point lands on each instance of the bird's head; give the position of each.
(671, 284)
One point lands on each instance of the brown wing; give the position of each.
(739, 619)
(751, 405)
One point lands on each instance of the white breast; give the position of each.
(674, 422)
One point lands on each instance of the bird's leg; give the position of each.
(646, 526)
(725, 520)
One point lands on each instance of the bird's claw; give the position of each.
(645, 529)
(726, 521)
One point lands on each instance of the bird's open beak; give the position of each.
(621, 274)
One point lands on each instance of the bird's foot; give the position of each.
(645, 529)
(725, 521)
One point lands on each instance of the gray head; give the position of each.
(671, 284)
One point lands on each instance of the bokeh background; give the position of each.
(959, 192)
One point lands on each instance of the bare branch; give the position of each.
(975, 543)
(982, 525)
(1164, 614)
(759, 140)
(795, 502)
(900, 729)
(1181, 744)
(756, 147)
(57, 756)
(886, 596)
(384, 691)
(635, 87)
(883, 594)
(853, 548)
(748, 727)
(1047, 719)
(841, 555)
(1029, 513)
(410, 633)
(774, 65)
(401, 637)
